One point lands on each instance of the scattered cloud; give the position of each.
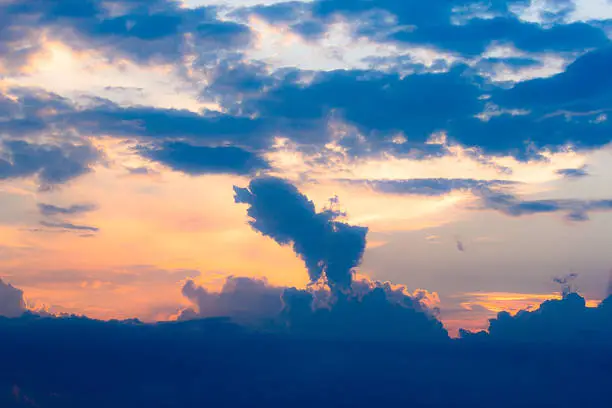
(50, 210)
(68, 226)
(574, 173)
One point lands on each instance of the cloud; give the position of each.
(358, 315)
(49, 210)
(428, 187)
(336, 305)
(259, 104)
(12, 303)
(197, 160)
(157, 31)
(575, 210)
(387, 103)
(243, 299)
(153, 123)
(278, 210)
(583, 87)
(68, 226)
(473, 37)
(558, 321)
(202, 362)
(574, 173)
(260, 107)
(52, 164)
(318, 313)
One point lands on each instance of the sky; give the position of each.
(468, 144)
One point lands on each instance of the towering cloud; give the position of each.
(279, 211)
(12, 303)
(356, 309)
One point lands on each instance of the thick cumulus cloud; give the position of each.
(12, 303)
(318, 313)
(145, 31)
(240, 298)
(279, 211)
(567, 320)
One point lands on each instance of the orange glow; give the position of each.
(512, 302)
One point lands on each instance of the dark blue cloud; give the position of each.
(233, 80)
(155, 123)
(278, 210)
(574, 173)
(432, 24)
(51, 164)
(378, 104)
(574, 209)
(27, 111)
(197, 160)
(584, 86)
(381, 105)
(50, 210)
(525, 135)
(67, 226)
(359, 316)
(473, 37)
(429, 187)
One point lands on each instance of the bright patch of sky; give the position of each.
(231, 3)
(74, 74)
(338, 49)
(585, 10)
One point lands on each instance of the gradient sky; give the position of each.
(479, 158)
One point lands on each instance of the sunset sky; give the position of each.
(478, 157)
